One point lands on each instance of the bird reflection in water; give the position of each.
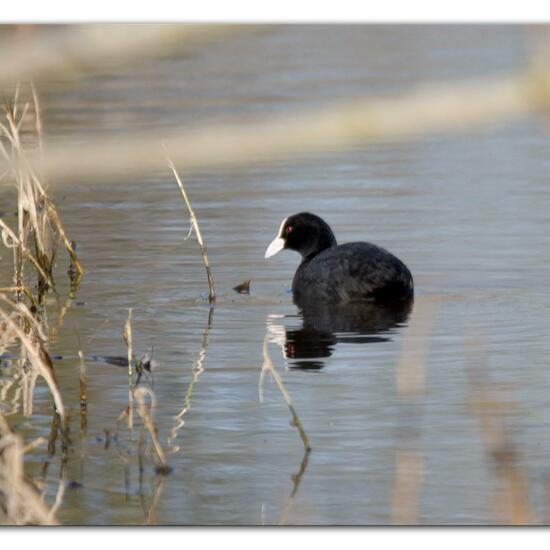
(325, 325)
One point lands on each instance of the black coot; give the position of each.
(339, 273)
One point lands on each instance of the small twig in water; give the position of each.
(243, 288)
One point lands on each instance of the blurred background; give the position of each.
(432, 141)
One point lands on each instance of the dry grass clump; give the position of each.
(33, 240)
(39, 228)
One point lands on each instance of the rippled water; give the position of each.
(393, 440)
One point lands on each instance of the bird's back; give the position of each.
(352, 272)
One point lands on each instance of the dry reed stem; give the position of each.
(26, 314)
(427, 109)
(11, 240)
(52, 439)
(83, 394)
(18, 290)
(60, 493)
(11, 377)
(28, 382)
(128, 340)
(38, 267)
(35, 209)
(195, 224)
(56, 221)
(38, 358)
(119, 419)
(150, 517)
(514, 501)
(139, 396)
(127, 336)
(410, 374)
(268, 367)
(21, 502)
(38, 119)
(63, 309)
(124, 457)
(409, 476)
(411, 367)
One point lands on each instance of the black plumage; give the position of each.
(334, 273)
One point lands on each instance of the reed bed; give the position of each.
(39, 226)
(24, 329)
(34, 246)
(21, 499)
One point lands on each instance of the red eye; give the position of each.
(289, 229)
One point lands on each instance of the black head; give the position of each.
(305, 233)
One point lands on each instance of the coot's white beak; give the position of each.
(277, 245)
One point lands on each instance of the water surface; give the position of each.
(469, 215)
